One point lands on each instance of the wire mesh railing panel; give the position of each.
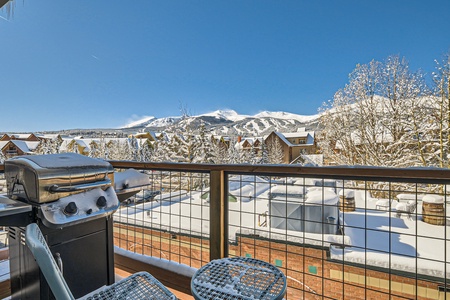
(167, 219)
(344, 239)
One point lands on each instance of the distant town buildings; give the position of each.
(277, 147)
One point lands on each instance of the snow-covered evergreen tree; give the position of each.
(145, 152)
(48, 146)
(202, 153)
(162, 152)
(264, 153)
(274, 151)
(94, 149)
(234, 155)
(219, 151)
(133, 148)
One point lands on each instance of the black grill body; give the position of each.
(86, 251)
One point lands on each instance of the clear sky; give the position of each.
(98, 64)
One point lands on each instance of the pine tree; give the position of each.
(202, 153)
(145, 152)
(48, 146)
(275, 153)
(2, 157)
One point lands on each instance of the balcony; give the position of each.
(335, 232)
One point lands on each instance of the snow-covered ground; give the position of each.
(380, 238)
(373, 237)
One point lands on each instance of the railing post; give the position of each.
(218, 215)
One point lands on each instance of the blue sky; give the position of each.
(97, 64)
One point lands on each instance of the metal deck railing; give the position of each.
(336, 232)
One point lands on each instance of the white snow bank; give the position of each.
(165, 264)
(249, 191)
(172, 196)
(347, 193)
(319, 189)
(325, 197)
(409, 197)
(433, 199)
(291, 236)
(288, 190)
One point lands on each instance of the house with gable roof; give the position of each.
(18, 147)
(249, 144)
(293, 144)
(149, 135)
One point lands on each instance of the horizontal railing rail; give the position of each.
(432, 174)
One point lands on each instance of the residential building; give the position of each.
(293, 144)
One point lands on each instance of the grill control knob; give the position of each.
(71, 209)
(101, 202)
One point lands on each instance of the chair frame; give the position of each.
(139, 285)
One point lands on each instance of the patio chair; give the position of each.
(383, 204)
(405, 208)
(140, 285)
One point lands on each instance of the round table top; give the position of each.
(238, 278)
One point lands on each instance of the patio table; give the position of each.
(238, 278)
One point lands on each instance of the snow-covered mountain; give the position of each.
(229, 122)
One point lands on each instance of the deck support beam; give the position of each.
(218, 214)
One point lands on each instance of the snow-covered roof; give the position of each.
(301, 134)
(21, 136)
(24, 146)
(145, 134)
(284, 137)
(357, 139)
(52, 136)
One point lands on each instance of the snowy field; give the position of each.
(372, 237)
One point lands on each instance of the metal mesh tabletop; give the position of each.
(140, 286)
(238, 278)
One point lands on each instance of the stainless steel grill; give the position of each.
(71, 197)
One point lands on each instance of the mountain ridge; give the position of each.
(228, 122)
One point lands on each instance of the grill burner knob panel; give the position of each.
(79, 208)
(101, 202)
(71, 209)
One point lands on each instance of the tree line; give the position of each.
(389, 115)
(181, 145)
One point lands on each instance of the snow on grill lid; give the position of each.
(65, 160)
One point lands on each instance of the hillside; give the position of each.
(228, 122)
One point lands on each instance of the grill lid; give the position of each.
(66, 161)
(46, 178)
